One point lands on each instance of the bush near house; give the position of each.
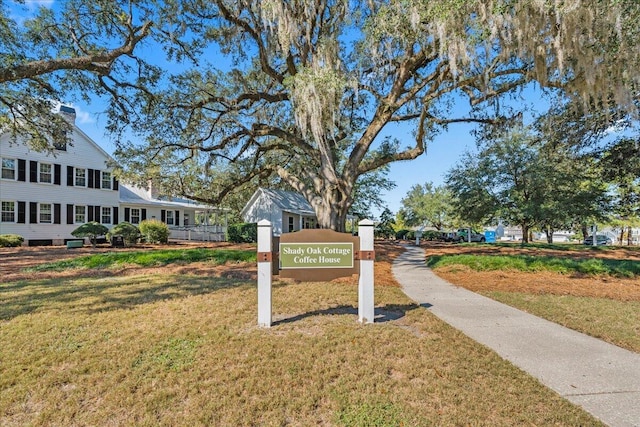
(154, 231)
(128, 231)
(91, 230)
(10, 240)
(246, 232)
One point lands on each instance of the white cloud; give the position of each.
(34, 4)
(83, 117)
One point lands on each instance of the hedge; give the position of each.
(246, 232)
(10, 240)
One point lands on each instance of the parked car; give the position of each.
(462, 235)
(600, 240)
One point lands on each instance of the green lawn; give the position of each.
(532, 263)
(149, 258)
(171, 350)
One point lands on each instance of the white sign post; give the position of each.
(316, 254)
(365, 284)
(264, 273)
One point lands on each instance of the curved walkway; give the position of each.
(600, 377)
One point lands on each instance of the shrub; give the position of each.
(431, 235)
(246, 232)
(10, 240)
(128, 231)
(154, 231)
(91, 230)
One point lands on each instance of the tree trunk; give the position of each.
(525, 233)
(585, 231)
(331, 210)
(629, 236)
(550, 232)
(621, 234)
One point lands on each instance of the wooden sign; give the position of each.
(317, 255)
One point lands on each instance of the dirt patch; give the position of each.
(13, 261)
(540, 282)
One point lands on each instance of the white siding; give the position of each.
(82, 154)
(264, 208)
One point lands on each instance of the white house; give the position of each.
(45, 196)
(186, 219)
(286, 210)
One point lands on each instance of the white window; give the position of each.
(135, 216)
(8, 168)
(8, 213)
(46, 174)
(106, 216)
(169, 217)
(80, 177)
(186, 219)
(106, 180)
(80, 214)
(45, 213)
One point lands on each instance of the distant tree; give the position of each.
(428, 205)
(385, 227)
(620, 165)
(513, 178)
(91, 230)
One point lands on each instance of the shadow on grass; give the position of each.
(104, 294)
(382, 314)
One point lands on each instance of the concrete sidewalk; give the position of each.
(601, 378)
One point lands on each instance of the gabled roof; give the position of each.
(288, 201)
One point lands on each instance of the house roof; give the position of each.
(138, 196)
(288, 201)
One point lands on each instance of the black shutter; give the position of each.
(115, 184)
(96, 180)
(70, 176)
(144, 215)
(90, 173)
(177, 218)
(22, 207)
(70, 214)
(22, 170)
(96, 216)
(57, 171)
(163, 215)
(127, 212)
(33, 171)
(114, 219)
(56, 213)
(33, 213)
(89, 213)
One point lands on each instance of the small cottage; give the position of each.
(286, 210)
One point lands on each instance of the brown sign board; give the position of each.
(317, 255)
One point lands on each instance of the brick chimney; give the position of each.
(152, 190)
